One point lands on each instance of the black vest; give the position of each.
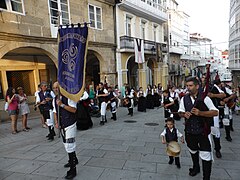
(66, 118)
(196, 124)
(167, 101)
(111, 96)
(101, 99)
(171, 136)
(216, 101)
(48, 105)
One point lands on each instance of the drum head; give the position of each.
(173, 148)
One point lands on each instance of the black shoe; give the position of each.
(231, 128)
(50, 138)
(112, 117)
(170, 161)
(178, 166)
(68, 164)
(71, 173)
(218, 154)
(228, 139)
(101, 123)
(105, 121)
(194, 172)
(47, 136)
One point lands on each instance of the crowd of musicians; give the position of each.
(97, 101)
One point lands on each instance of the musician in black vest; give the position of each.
(217, 95)
(65, 110)
(44, 100)
(228, 119)
(168, 104)
(171, 133)
(198, 112)
(102, 94)
(112, 102)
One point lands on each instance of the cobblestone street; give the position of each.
(117, 150)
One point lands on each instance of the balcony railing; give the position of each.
(151, 11)
(127, 44)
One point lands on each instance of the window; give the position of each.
(95, 16)
(12, 5)
(57, 6)
(143, 29)
(128, 26)
(155, 33)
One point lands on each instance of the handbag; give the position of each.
(6, 106)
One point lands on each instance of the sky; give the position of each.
(209, 18)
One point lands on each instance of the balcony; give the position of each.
(127, 45)
(234, 66)
(154, 12)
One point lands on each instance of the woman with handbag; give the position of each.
(12, 100)
(23, 108)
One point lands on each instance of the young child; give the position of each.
(170, 133)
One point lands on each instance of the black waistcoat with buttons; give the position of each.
(196, 124)
(66, 118)
(171, 136)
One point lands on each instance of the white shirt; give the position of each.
(229, 91)
(38, 100)
(208, 102)
(104, 90)
(219, 90)
(71, 103)
(178, 133)
(170, 99)
(84, 96)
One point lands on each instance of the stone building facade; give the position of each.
(28, 41)
(142, 21)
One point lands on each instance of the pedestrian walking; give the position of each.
(13, 111)
(64, 115)
(23, 108)
(169, 134)
(198, 112)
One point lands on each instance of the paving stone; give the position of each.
(6, 162)
(25, 166)
(4, 174)
(92, 152)
(88, 173)
(106, 141)
(51, 157)
(106, 162)
(114, 147)
(51, 169)
(20, 176)
(154, 176)
(123, 155)
(139, 149)
(23, 155)
(116, 174)
(140, 166)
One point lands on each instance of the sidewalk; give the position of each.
(117, 150)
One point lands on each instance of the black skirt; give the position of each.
(141, 104)
(84, 120)
(150, 102)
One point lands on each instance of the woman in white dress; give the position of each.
(23, 108)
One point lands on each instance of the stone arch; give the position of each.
(46, 49)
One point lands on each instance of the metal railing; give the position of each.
(127, 43)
